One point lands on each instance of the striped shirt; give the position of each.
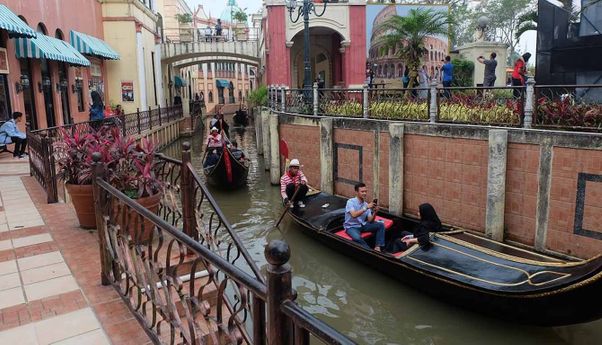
(287, 179)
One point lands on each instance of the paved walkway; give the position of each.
(50, 290)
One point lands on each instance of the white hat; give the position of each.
(214, 129)
(294, 163)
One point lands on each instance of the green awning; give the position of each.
(50, 48)
(91, 45)
(13, 24)
(179, 82)
(222, 83)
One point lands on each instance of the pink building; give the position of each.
(46, 79)
(338, 44)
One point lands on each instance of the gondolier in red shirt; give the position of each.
(293, 185)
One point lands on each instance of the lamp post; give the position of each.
(305, 9)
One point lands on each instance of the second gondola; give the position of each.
(230, 170)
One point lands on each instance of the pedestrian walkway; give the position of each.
(50, 291)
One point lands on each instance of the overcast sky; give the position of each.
(217, 6)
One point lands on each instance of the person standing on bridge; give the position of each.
(218, 28)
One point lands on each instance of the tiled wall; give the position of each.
(450, 174)
(522, 169)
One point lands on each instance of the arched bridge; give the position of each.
(247, 51)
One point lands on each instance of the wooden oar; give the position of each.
(286, 207)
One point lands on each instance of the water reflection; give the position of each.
(368, 306)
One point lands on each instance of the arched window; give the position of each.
(42, 28)
(210, 96)
(59, 34)
(23, 19)
(240, 95)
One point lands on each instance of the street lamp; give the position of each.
(304, 10)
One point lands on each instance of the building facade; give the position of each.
(44, 77)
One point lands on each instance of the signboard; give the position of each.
(127, 91)
(3, 61)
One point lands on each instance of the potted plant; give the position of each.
(74, 158)
(133, 172)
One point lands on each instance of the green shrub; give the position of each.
(258, 97)
(463, 72)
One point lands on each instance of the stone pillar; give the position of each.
(366, 104)
(141, 69)
(529, 98)
(158, 75)
(543, 194)
(433, 105)
(326, 156)
(316, 95)
(274, 150)
(496, 184)
(265, 132)
(376, 166)
(258, 129)
(396, 131)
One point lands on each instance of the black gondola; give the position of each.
(241, 118)
(469, 270)
(219, 175)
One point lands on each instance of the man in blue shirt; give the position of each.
(359, 218)
(10, 133)
(448, 75)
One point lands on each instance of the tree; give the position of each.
(240, 16)
(409, 32)
(184, 18)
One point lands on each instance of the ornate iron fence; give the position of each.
(186, 285)
(566, 107)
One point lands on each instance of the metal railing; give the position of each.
(42, 162)
(183, 280)
(567, 107)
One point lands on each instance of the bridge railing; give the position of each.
(183, 279)
(241, 48)
(565, 107)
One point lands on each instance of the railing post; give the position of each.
(316, 99)
(138, 119)
(283, 99)
(49, 173)
(160, 115)
(123, 124)
(150, 117)
(366, 104)
(277, 254)
(187, 192)
(99, 173)
(528, 121)
(433, 104)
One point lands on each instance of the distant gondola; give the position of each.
(470, 270)
(241, 118)
(228, 172)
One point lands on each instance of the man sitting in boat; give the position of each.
(293, 185)
(359, 218)
(214, 141)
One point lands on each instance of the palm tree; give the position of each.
(409, 33)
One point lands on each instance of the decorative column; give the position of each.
(159, 72)
(396, 131)
(274, 150)
(141, 69)
(326, 155)
(496, 184)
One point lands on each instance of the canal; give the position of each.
(367, 306)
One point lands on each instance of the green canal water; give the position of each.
(367, 306)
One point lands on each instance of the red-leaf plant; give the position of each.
(128, 165)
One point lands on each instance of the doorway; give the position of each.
(47, 91)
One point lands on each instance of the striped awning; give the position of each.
(50, 48)
(222, 83)
(13, 24)
(91, 45)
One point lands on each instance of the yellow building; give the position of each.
(130, 27)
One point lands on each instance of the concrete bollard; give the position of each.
(366, 101)
(433, 105)
(529, 106)
(316, 99)
(265, 132)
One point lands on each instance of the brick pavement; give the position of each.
(50, 290)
